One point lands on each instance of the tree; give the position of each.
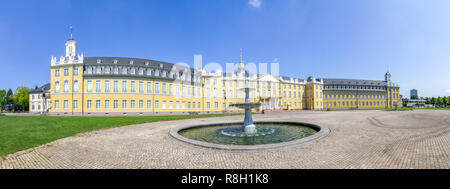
(439, 101)
(22, 97)
(2, 99)
(427, 100)
(444, 101)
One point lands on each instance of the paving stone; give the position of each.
(358, 139)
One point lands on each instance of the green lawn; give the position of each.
(21, 132)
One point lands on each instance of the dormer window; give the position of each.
(146, 63)
(115, 61)
(131, 62)
(161, 65)
(99, 61)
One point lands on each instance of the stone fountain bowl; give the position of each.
(321, 131)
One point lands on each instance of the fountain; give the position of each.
(247, 126)
(249, 135)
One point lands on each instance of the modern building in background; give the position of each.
(414, 94)
(112, 85)
(40, 99)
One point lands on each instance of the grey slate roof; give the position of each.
(332, 81)
(123, 61)
(45, 87)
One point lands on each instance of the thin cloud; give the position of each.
(255, 3)
(448, 91)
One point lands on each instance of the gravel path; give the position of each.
(358, 139)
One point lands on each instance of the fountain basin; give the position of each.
(268, 135)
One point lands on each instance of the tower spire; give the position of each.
(241, 55)
(71, 33)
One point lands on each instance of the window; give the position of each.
(56, 104)
(199, 105)
(207, 105)
(75, 86)
(89, 86)
(177, 105)
(157, 88)
(75, 104)
(124, 104)
(89, 104)
(141, 104)
(66, 104)
(124, 86)
(133, 86)
(171, 89)
(216, 105)
(107, 86)
(183, 105)
(156, 104)
(57, 87)
(75, 71)
(132, 104)
(149, 87)
(116, 104)
(66, 72)
(97, 104)
(98, 86)
(164, 88)
(116, 86)
(163, 106)
(66, 86)
(56, 73)
(208, 90)
(149, 104)
(141, 87)
(171, 104)
(106, 104)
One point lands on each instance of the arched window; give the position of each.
(75, 86)
(57, 87)
(66, 86)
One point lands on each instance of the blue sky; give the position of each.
(323, 38)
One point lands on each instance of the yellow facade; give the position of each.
(108, 85)
(125, 95)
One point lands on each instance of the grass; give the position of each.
(22, 132)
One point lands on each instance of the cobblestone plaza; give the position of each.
(358, 139)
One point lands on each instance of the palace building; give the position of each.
(112, 85)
